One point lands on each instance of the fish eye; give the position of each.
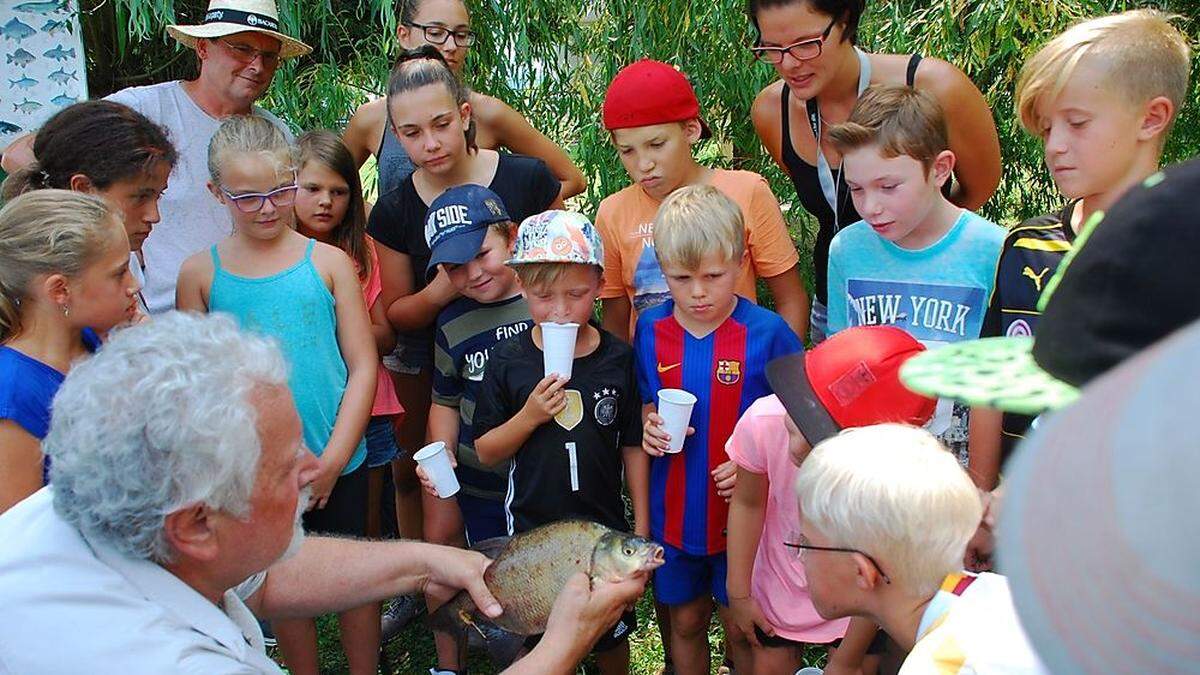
(628, 550)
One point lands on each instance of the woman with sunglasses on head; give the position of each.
(812, 45)
(445, 24)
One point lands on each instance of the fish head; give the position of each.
(619, 556)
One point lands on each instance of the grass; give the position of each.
(413, 651)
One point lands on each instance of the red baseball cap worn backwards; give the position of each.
(850, 380)
(648, 92)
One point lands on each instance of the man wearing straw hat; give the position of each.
(239, 45)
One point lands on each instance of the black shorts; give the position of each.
(345, 512)
(777, 641)
(613, 638)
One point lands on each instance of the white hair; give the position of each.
(894, 492)
(159, 419)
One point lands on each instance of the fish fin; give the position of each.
(449, 618)
(491, 547)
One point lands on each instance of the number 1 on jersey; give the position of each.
(574, 466)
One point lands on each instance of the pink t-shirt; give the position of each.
(386, 402)
(759, 444)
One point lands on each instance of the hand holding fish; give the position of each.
(582, 612)
(450, 570)
(546, 400)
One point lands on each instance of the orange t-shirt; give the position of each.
(626, 224)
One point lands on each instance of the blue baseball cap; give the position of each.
(457, 222)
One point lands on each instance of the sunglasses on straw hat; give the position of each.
(229, 17)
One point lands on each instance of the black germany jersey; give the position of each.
(571, 466)
(1029, 258)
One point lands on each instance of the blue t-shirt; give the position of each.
(28, 386)
(939, 294)
(725, 371)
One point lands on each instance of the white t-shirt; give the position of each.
(192, 219)
(72, 604)
(971, 628)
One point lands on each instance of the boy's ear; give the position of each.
(868, 577)
(81, 183)
(943, 166)
(1157, 118)
(692, 130)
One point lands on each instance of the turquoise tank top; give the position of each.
(294, 307)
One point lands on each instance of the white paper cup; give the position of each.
(436, 462)
(675, 409)
(558, 348)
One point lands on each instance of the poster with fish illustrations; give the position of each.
(44, 68)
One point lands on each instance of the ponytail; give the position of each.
(416, 68)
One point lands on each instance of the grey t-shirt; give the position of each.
(192, 219)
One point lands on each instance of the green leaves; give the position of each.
(553, 59)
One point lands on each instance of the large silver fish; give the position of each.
(534, 566)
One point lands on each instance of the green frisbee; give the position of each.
(996, 372)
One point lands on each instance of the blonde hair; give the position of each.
(894, 492)
(899, 120)
(249, 134)
(48, 232)
(696, 221)
(540, 275)
(1143, 56)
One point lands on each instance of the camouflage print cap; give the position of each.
(558, 237)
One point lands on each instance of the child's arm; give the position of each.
(983, 463)
(791, 300)
(637, 480)
(745, 525)
(514, 132)
(358, 351)
(195, 277)
(442, 426)
(847, 659)
(545, 401)
(417, 310)
(381, 330)
(615, 316)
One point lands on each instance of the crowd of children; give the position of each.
(424, 319)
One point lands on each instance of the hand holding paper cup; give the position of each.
(675, 409)
(434, 459)
(558, 348)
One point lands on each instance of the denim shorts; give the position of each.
(818, 322)
(381, 441)
(412, 354)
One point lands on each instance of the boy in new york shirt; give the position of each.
(915, 261)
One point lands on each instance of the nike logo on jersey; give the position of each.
(1037, 278)
(663, 369)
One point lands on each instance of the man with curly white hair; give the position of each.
(178, 477)
(885, 516)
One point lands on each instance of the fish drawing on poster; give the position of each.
(44, 67)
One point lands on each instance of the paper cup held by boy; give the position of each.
(558, 348)
(675, 409)
(436, 462)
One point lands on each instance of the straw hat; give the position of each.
(227, 17)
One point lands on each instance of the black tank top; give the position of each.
(808, 190)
